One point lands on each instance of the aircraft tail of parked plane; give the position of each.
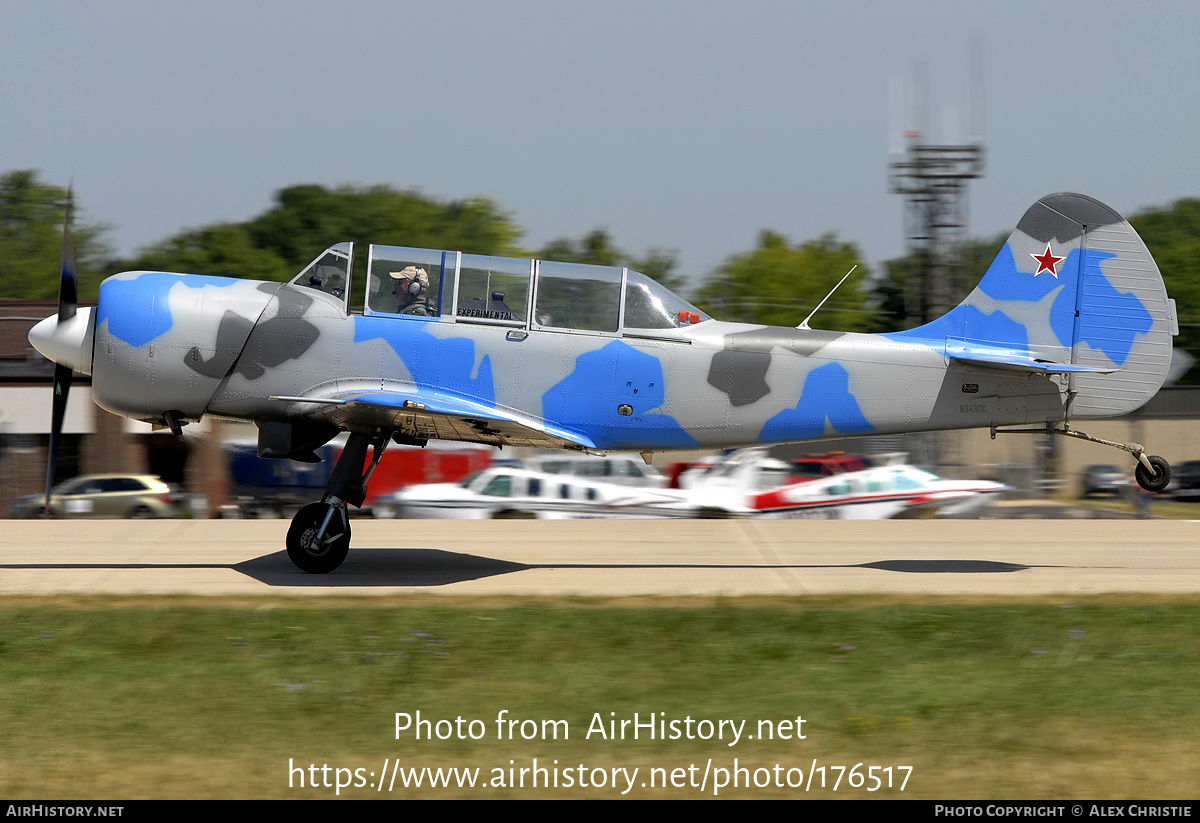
(1071, 321)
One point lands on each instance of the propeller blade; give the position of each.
(68, 293)
(68, 301)
(62, 387)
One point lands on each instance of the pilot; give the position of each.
(410, 288)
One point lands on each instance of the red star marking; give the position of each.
(1046, 262)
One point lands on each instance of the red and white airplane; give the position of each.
(749, 483)
(876, 494)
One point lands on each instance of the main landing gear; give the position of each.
(1153, 473)
(319, 537)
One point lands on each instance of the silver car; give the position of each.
(102, 495)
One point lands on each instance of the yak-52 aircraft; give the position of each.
(1071, 321)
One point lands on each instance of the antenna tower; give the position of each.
(932, 179)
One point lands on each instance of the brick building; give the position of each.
(94, 440)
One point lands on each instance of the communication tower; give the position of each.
(932, 178)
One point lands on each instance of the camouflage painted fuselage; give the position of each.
(1072, 320)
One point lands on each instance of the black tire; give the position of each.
(305, 553)
(141, 513)
(1157, 481)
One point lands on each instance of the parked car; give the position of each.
(103, 495)
(1185, 478)
(1103, 478)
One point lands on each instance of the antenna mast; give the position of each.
(932, 179)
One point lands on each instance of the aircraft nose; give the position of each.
(69, 342)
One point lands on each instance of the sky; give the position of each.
(682, 126)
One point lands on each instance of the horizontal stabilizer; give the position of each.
(1014, 360)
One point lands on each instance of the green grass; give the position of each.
(144, 697)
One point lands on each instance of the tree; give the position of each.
(1173, 237)
(779, 284)
(307, 219)
(223, 250)
(897, 292)
(597, 248)
(31, 221)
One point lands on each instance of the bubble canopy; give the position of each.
(449, 286)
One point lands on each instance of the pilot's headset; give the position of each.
(417, 277)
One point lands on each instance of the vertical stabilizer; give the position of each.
(1073, 291)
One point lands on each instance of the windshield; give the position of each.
(67, 486)
(651, 305)
(330, 272)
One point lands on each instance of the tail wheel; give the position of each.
(323, 556)
(1156, 481)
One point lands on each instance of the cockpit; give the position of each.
(449, 286)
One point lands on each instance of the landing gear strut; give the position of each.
(1153, 473)
(319, 538)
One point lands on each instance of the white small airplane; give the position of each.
(503, 493)
(618, 469)
(880, 493)
(749, 483)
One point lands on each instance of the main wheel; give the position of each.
(302, 546)
(1153, 482)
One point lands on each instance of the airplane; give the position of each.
(1071, 321)
(749, 483)
(503, 492)
(879, 493)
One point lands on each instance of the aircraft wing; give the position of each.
(961, 502)
(438, 415)
(997, 357)
(935, 499)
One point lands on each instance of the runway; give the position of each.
(610, 558)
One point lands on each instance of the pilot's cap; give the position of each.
(411, 273)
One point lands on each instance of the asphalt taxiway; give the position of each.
(610, 558)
